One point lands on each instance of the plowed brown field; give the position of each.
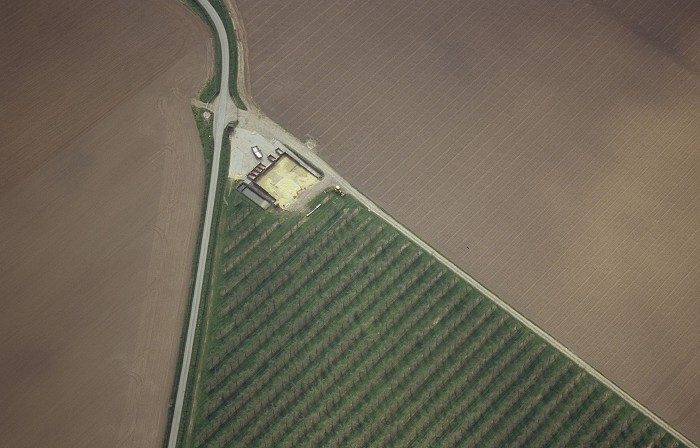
(549, 148)
(101, 176)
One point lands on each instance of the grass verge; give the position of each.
(211, 88)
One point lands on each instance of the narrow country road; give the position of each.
(220, 122)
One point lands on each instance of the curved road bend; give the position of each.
(219, 125)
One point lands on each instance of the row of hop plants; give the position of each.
(467, 320)
(343, 338)
(518, 403)
(610, 425)
(289, 331)
(580, 417)
(370, 358)
(382, 380)
(477, 343)
(395, 404)
(298, 365)
(237, 256)
(582, 392)
(488, 400)
(505, 400)
(259, 308)
(628, 431)
(272, 259)
(255, 273)
(347, 320)
(486, 341)
(433, 376)
(260, 344)
(483, 371)
(478, 350)
(236, 215)
(246, 229)
(599, 422)
(290, 231)
(545, 409)
(231, 260)
(377, 377)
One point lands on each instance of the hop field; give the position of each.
(334, 330)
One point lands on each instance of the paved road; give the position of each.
(220, 122)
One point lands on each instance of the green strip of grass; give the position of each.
(211, 88)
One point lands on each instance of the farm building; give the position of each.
(257, 195)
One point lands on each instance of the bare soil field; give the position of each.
(549, 148)
(101, 177)
(671, 25)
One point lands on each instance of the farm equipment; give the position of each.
(339, 191)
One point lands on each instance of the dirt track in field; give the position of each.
(101, 178)
(549, 149)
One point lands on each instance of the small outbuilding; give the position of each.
(257, 195)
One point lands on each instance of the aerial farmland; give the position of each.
(332, 329)
(310, 298)
(101, 178)
(548, 148)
